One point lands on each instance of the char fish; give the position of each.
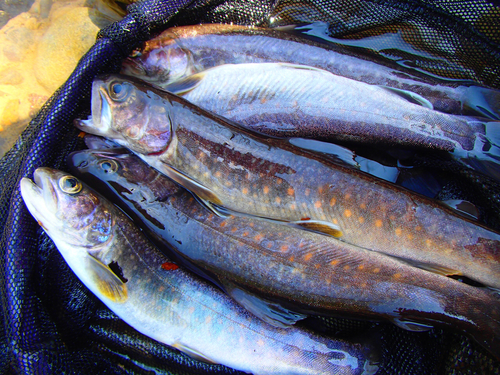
(285, 100)
(230, 168)
(303, 271)
(182, 51)
(167, 303)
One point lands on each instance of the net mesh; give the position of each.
(53, 324)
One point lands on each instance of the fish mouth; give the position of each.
(101, 118)
(39, 196)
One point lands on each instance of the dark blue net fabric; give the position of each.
(53, 324)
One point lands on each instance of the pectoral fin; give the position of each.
(434, 268)
(483, 102)
(319, 226)
(184, 85)
(193, 353)
(196, 188)
(106, 281)
(410, 96)
(412, 326)
(269, 311)
(464, 208)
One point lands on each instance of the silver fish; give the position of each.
(303, 271)
(182, 51)
(226, 165)
(164, 302)
(287, 100)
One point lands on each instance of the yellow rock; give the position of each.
(38, 51)
(67, 39)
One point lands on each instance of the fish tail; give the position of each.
(484, 102)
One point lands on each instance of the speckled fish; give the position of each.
(226, 165)
(182, 51)
(285, 100)
(167, 303)
(301, 270)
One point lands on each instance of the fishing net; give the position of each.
(53, 324)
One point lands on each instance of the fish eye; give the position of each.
(109, 166)
(117, 90)
(70, 185)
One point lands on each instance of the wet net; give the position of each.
(53, 324)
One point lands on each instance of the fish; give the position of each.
(182, 51)
(111, 256)
(236, 171)
(289, 100)
(276, 271)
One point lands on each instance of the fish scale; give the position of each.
(204, 152)
(304, 271)
(174, 306)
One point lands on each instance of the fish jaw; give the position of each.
(40, 200)
(99, 123)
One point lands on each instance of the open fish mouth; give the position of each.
(39, 196)
(101, 118)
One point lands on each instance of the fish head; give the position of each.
(68, 210)
(161, 61)
(114, 165)
(129, 112)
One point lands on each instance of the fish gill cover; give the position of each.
(53, 324)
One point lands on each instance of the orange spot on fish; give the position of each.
(279, 181)
(317, 266)
(418, 228)
(307, 257)
(361, 267)
(398, 231)
(334, 262)
(305, 218)
(347, 196)
(347, 213)
(346, 267)
(284, 248)
(410, 236)
(361, 219)
(428, 243)
(245, 233)
(269, 245)
(362, 206)
(376, 270)
(335, 221)
(307, 192)
(266, 189)
(317, 204)
(258, 237)
(223, 224)
(378, 223)
(218, 174)
(290, 191)
(278, 200)
(293, 206)
(397, 276)
(161, 289)
(291, 259)
(169, 266)
(234, 229)
(210, 217)
(332, 202)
